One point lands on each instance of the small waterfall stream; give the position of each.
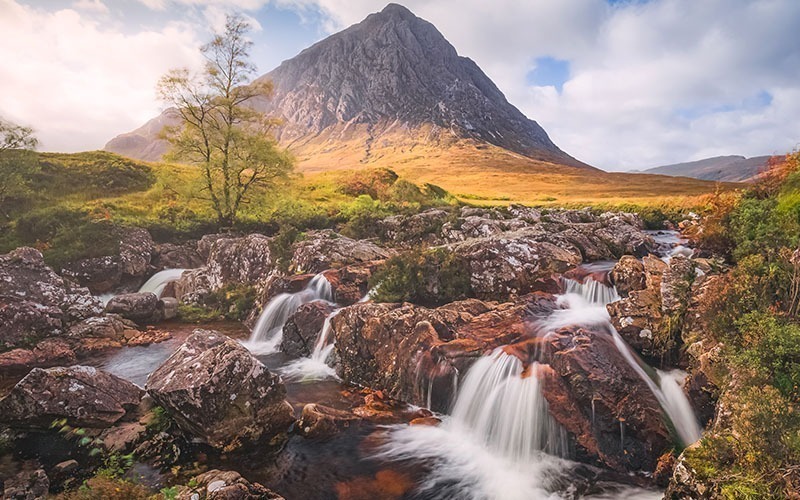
(159, 281)
(268, 332)
(315, 367)
(587, 306)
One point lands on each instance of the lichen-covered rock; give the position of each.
(245, 260)
(225, 485)
(83, 395)
(322, 250)
(303, 327)
(171, 256)
(628, 275)
(143, 308)
(684, 484)
(127, 268)
(35, 302)
(215, 389)
(510, 265)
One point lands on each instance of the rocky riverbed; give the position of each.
(554, 373)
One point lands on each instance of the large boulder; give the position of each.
(628, 275)
(128, 268)
(511, 264)
(27, 485)
(35, 302)
(172, 256)
(601, 400)
(143, 308)
(83, 395)
(215, 389)
(413, 353)
(322, 250)
(245, 260)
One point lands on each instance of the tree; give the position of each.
(17, 163)
(228, 140)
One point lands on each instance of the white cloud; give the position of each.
(91, 6)
(651, 82)
(79, 82)
(634, 67)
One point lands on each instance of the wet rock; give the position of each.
(48, 352)
(320, 422)
(601, 392)
(170, 307)
(414, 353)
(35, 302)
(350, 284)
(215, 389)
(322, 250)
(303, 327)
(83, 395)
(110, 326)
(676, 285)
(143, 308)
(225, 485)
(628, 275)
(27, 485)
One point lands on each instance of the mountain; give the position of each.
(718, 168)
(388, 90)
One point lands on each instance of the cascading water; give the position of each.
(500, 441)
(159, 281)
(268, 332)
(586, 305)
(316, 366)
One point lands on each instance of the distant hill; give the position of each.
(719, 168)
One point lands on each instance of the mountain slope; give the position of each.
(719, 168)
(384, 90)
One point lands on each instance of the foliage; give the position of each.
(232, 302)
(753, 311)
(230, 142)
(101, 486)
(17, 164)
(426, 277)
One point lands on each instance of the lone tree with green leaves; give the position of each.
(229, 141)
(17, 163)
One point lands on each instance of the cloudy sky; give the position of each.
(618, 84)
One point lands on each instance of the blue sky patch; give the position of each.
(549, 71)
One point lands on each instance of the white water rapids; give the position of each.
(268, 332)
(500, 441)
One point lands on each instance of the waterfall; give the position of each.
(268, 332)
(499, 442)
(505, 408)
(586, 306)
(316, 366)
(159, 281)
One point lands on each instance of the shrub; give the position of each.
(233, 302)
(374, 183)
(428, 278)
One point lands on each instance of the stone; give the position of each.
(83, 395)
(303, 327)
(325, 249)
(628, 275)
(27, 485)
(216, 390)
(225, 485)
(320, 422)
(144, 308)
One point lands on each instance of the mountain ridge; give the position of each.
(376, 92)
(729, 168)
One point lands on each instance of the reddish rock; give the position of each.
(144, 308)
(322, 250)
(225, 485)
(318, 421)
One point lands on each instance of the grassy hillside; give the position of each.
(75, 201)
